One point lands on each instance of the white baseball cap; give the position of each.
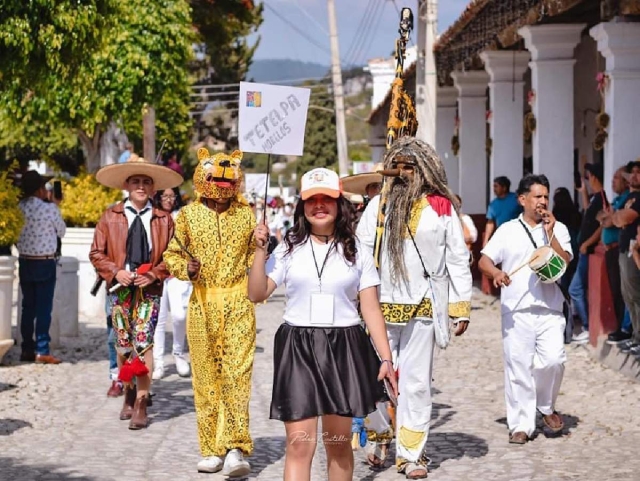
(320, 181)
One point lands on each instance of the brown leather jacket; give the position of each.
(109, 249)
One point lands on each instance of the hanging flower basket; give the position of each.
(602, 120)
(600, 139)
(455, 144)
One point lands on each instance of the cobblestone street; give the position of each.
(56, 422)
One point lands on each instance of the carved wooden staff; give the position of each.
(402, 121)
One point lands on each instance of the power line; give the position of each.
(366, 41)
(362, 31)
(294, 27)
(309, 16)
(320, 80)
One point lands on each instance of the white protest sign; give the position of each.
(272, 118)
(255, 184)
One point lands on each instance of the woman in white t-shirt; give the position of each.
(175, 299)
(324, 363)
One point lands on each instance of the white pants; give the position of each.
(175, 299)
(412, 350)
(534, 356)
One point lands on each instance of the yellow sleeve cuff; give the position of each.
(460, 309)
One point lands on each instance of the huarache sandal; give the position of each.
(376, 454)
(553, 421)
(415, 471)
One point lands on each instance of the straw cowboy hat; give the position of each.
(116, 175)
(353, 198)
(357, 184)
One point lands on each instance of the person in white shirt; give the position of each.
(175, 299)
(469, 228)
(324, 363)
(426, 281)
(532, 317)
(37, 246)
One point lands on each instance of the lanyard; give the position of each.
(321, 270)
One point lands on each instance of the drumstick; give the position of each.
(517, 269)
(534, 257)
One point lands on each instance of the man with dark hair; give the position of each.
(501, 209)
(37, 245)
(532, 311)
(611, 242)
(588, 238)
(628, 219)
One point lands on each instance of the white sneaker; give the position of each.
(581, 338)
(235, 464)
(182, 365)
(210, 464)
(158, 371)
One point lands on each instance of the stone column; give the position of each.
(65, 301)
(506, 96)
(7, 276)
(447, 98)
(551, 48)
(619, 44)
(472, 108)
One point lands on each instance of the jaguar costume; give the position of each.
(221, 324)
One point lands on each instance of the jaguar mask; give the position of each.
(218, 176)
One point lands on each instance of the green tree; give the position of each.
(224, 26)
(320, 144)
(41, 38)
(144, 62)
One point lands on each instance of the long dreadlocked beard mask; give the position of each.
(407, 192)
(218, 176)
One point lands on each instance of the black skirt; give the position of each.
(319, 371)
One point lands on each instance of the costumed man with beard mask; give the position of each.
(213, 247)
(426, 284)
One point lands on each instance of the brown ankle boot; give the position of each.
(139, 419)
(129, 402)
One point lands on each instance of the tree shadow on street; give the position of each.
(9, 426)
(444, 446)
(267, 451)
(15, 470)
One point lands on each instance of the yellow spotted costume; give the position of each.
(221, 323)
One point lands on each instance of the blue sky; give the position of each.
(280, 39)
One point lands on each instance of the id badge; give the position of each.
(321, 309)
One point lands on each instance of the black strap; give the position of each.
(424, 269)
(535, 246)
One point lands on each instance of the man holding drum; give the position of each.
(532, 320)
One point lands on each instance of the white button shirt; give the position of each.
(511, 247)
(43, 225)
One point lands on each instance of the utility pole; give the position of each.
(338, 93)
(426, 78)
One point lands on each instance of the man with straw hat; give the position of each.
(127, 249)
(368, 184)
